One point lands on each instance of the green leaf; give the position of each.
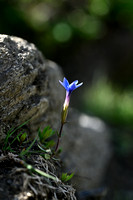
(41, 148)
(65, 177)
(16, 138)
(40, 172)
(47, 156)
(45, 134)
(23, 137)
(24, 152)
(10, 133)
(49, 144)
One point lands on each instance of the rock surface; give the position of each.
(28, 86)
(86, 150)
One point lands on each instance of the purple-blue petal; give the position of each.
(62, 83)
(79, 85)
(75, 82)
(66, 83)
(72, 86)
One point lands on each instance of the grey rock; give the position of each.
(86, 150)
(29, 87)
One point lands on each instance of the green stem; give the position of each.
(59, 136)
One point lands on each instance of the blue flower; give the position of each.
(70, 87)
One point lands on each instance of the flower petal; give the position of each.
(62, 84)
(75, 82)
(79, 85)
(72, 86)
(66, 83)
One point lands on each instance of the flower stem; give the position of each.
(59, 136)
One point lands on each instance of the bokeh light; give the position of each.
(62, 32)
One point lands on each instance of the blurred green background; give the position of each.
(92, 40)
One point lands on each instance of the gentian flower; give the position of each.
(69, 89)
